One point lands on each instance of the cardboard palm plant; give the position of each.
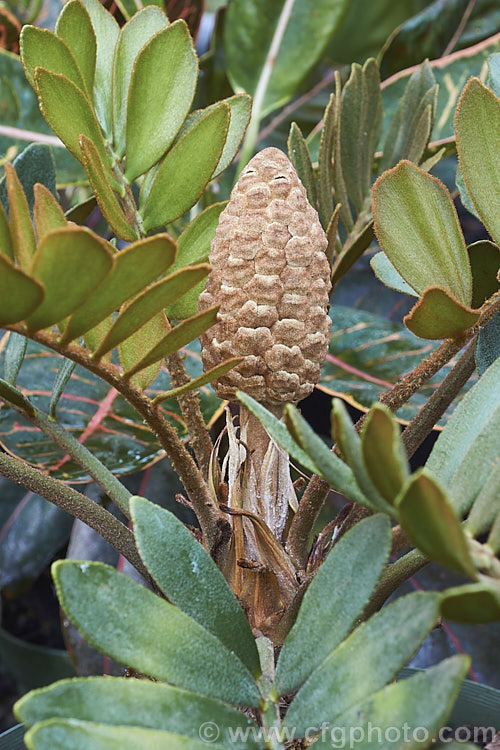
(244, 635)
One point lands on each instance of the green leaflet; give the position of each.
(42, 47)
(382, 646)
(477, 127)
(424, 700)
(162, 84)
(472, 603)
(60, 734)
(190, 579)
(186, 170)
(383, 452)
(106, 32)
(21, 228)
(360, 127)
(133, 269)
(71, 259)
(478, 411)
(47, 213)
(152, 301)
(387, 274)
(133, 36)
(20, 294)
(193, 245)
(337, 594)
(240, 106)
(407, 137)
(210, 375)
(439, 315)
(417, 227)
(154, 637)
(75, 27)
(349, 442)
(298, 153)
(68, 112)
(132, 703)
(131, 350)
(177, 337)
(431, 523)
(329, 466)
(102, 184)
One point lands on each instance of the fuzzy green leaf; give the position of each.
(132, 703)
(476, 415)
(488, 344)
(387, 274)
(162, 85)
(383, 452)
(406, 139)
(439, 315)
(191, 580)
(21, 228)
(103, 190)
(15, 349)
(431, 524)
(68, 112)
(155, 637)
(151, 302)
(73, 260)
(417, 227)
(60, 734)
(106, 32)
(40, 47)
(177, 337)
(47, 213)
(278, 431)
(329, 466)
(349, 443)
(75, 27)
(337, 594)
(134, 268)
(486, 503)
(63, 376)
(484, 259)
(132, 349)
(193, 245)
(424, 700)
(241, 107)
(382, 645)
(186, 169)
(472, 603)
(133, 36)
(360, 127)
(477, 127)
(20, 294)
(298, 153)
(214, 374)
(5, 238)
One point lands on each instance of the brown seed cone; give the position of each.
(271, 278)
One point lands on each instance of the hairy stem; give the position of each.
(392, 578)
(75, 503)
(209, 516)
(418, 429)
(190, 408)
(317, 490)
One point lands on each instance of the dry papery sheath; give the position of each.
(271, 279)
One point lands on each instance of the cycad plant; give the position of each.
(246, 630)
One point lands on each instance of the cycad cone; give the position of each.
(271, 278)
